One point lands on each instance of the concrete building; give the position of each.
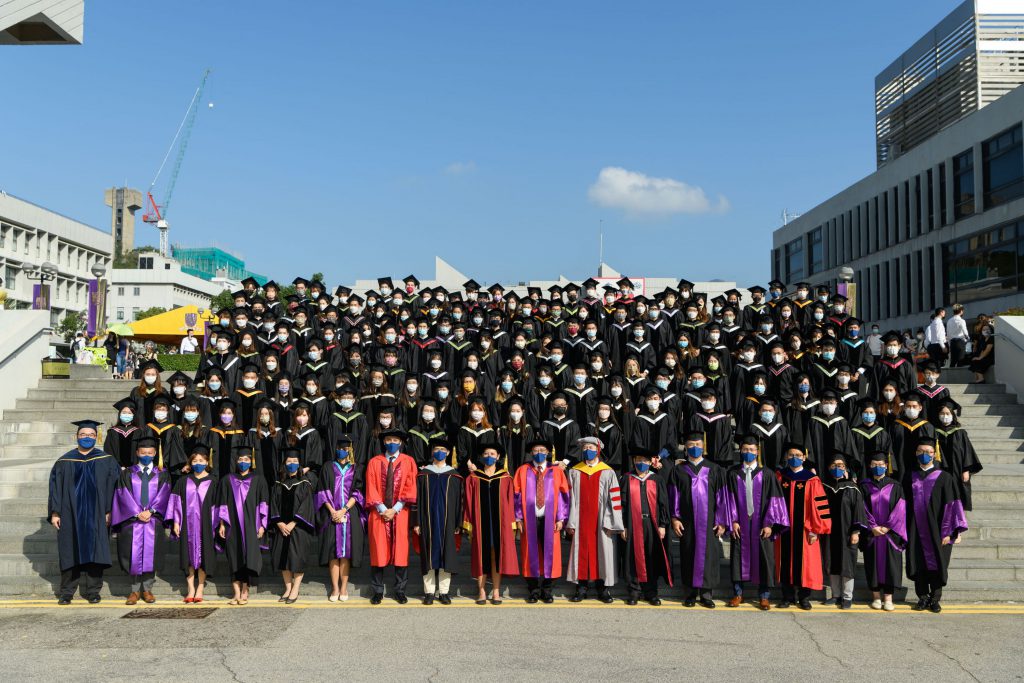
(32, 234)
(42, 22)
(158, 281)
(123, 203)
(937, 224)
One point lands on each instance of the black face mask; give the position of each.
(559, 411)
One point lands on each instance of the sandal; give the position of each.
(332, 598)
(234, 601)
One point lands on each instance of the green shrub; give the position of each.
(185, 362)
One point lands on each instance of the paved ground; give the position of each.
(314, 639)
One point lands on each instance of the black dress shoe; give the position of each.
(630, 601)
(934, 607)
(655, 602)
(64, 600)
(847, 604)
(428, 599)
(804, 604)
(606, 597)
(707, 603)
(401, 599)
(376, 599)
(785, 604)
(94, 600)
(444, 599)
(547, 599)
(532, 599)
(578, 596)
(922, 605)
(690, 602)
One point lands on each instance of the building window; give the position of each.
(136, 291)
(777, 264)
(120, 291)
(120, 313)
(135, 312)
(795, 260)
(930, 199)
(963, 184)
(984, 265)
(816, 262)
(146, 263)
(1003, 167)
(942, 194)
(10, 275)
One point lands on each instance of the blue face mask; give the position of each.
(828, 355)
(837, 472)
(642, 467)
(767, 416)
(661, 384)
(126, 418)
(853, 333)
(506, 386)
(244, 466)
(795, 462)
(86, 443)
(540, 458)
(695, 452)
(759, 389)
(925, 458)
(697, 384)
(341, 453)
(145, 460)
(439, 455)
(589, 454)
(199, 468)
(867, 418)
(878, 470)
(804, 387)
(749, 457)
(683, 343)
(391, 448)
(489, 460)
(292, 467)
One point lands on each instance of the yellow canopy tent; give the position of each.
(169, 327)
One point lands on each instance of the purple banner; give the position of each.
(94, 288)
(40, 297)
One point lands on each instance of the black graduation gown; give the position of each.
(938, 506)
(899, 370)
(653, 432)
(438, 515)
(564, 434)
(643, 542)
(684, 507)
(266, 446)
(904, 436)
(780, 381)
(868, 440)
(243, 550)
(771, 441)
(206, 530)
(417, 446)
(163, 433)
(796, 415)
(858, 355)
(825, 437)
(355, 425)
(81, 491)
(468, 440)
(514, 440)
(718, 436)
(770, 488)
(846, 505)
(144, 401)
(957, 456)
(222, 442)
(310, 445)
(614, 452)
(120, 443)
(291, 500)
(893, 516)
(325, 525)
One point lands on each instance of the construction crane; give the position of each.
(157, 213)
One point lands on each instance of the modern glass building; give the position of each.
(939, 223)
(211, 262)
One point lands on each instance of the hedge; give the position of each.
(173, 362)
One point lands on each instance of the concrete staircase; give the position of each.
(987, 565)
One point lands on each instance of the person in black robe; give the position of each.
(827, 433)
(347, 420)
(906, 431)
(81, 491)
(437, 521)
(162, 428)
(515, 434)
(956, 452)
(243, 511)
(892, 367)
(699, 504)
(771, 435)
(122, 437)
(839, 546)
(646, 517)
(870, 437)
(292, 520)
(715, 427)
(190, 512)
(610, 433)
(935, 523)
(225, 437)
(886, 538)
(341, 519)
(562, 431)
(653, 429)
(137, 515)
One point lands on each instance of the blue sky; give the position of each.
(364, 138)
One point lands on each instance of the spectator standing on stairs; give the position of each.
(957, 336)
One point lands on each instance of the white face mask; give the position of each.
(476, 415)
(946, 420)
(515, 416)
(604, 414)
(435, 364)
(179, 391)
(828, 408)
(707, 405)
(428, 415)
(911, 413)
(347, 403)
(889, 395)
(160, 415)
(149, 379)
(653, 405)
(747, 356)
(249, 383)
(246, 343)
(271, 366)
(616, 392)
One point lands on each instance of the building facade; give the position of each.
(940, 223)
(32, 234)
(123, 203)
(157, 282)
(42, 22)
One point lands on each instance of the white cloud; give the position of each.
(641, 195)
(460, 167)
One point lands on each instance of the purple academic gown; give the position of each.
(345, 533)
(883, 555)
(937, 513)
(700, 499)
(233, 511)
(756, 555)
(190, 519)
(138, 542)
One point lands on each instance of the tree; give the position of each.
(317, 276)
(70, 325)
(130, 259)
(222, 300)
(150, 312)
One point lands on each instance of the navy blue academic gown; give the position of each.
(81, 493)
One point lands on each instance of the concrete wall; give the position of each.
(24, 342)
(1009, 367)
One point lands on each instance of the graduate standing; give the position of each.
(541, 509)
(190, 512)
(936, 523)
(701, 513)
(886, 521)
(81, 491)
(839, 546)
(759, 516)
(595, 519)
(341, 516)
(646, 517)
(243, 511)
(438, 521)
(489, 520)
(390, 488)
(137, 514)
(291, 514)
(798, 552)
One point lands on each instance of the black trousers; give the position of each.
(540, 585)
(377, 579)
(69, 580)
(957, 351)
(928, 584)
(649, 589)
(937, 354)
(884, 589)
(791, 593)
(692, 593)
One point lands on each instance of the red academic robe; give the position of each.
(797, 561)
(556, 507)
(389, 541)
(472, 520)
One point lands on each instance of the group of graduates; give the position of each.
(415, 418)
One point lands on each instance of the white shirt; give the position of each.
(875, 344)
(188, 345)
(539, 512)
(936, 332)
(956, 328)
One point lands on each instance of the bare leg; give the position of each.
(287, 576)
(201, 584)
(190, 581)
(334, 567)
(237, 587)
(296, 582)
(496, 581)
(344, 566)
(481, 584)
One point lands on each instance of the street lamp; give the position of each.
(44, 273)
(97, 299)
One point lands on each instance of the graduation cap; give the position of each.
(793, 446)
(240, 294)
(495, 446)
(439, 442)
(926, 441)
(625, 283)
(867, 402)
(693, 435)
(179, 376)
(611, 289)
(590, 441)
(471, 285)
(540, 442)
(931, 366)
(590, 283)
(251, 281)
(756, 289)
(496, 289)
(382, 281)
(152, 365)
(843, 367)
(533, 291)
(289, 452)
(828, 394)
(355, 298)
(824, 289)
(226, 403)
(685, 284)
(300, 281)
(393, 433)
(343, 440)
(87, 424)
(912, 396)
(733, 292)
(147, 442)
(250, 367)
(839, 299)
(571, 287)
(555, 289)
(341, 290)
(776, 284)
(271, 285)
(651, 390)
(827, 341)
(124, 403)
(242, 452)
(200, 449)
